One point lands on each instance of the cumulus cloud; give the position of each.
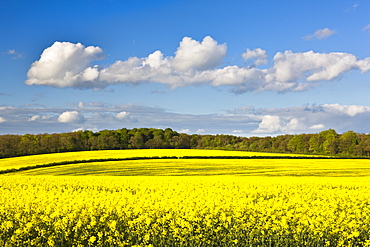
(269, 124)
(37, 117)
(2, 120)
(186, 131)
(70, 117)
(320, 34)
(122, 115)
(317, 127)
(200, 131)
(280, 124)
(350, 110)
(199, 55)
(66, 64)
(258, 54)
(311, 66)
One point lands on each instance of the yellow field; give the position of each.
(207, 167)
(33, 160)
(184, 211)
(179, 202)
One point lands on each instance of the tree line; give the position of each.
(328, 142)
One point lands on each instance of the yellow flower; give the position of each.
(92, 239)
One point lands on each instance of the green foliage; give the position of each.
(327, 142)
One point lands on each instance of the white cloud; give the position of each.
(350, 110)
(69, 65)
(83, 129)
(278, 124)
(311, 66)
(292, 126)
(70, 117)
(364, 65)
(269, 124)
(7, 108)
(320, 34)
(37, 117)
(253, 121)
(191, 65)
(310, 118)
(200, 131)
(317, 127)
(90, 74)
(65, 65)
(122, 115)
(286, 121)
(192, 54)
(258, 54)
(186, 131)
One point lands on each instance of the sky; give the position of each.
(245, 68)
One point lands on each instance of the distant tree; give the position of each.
(28, 144)
(205, 141)
(315, 144)
(296, 144)
(68, 141)
(167, 135)
(9, 145)
(137, 141)
(265, 144)
(347, 142)
(280, 143)
(330, 144)
(45, 144)
(194, 140)
(184, 141)
(363, 148)
(108, 139)
(366, 145)
(123, 138)
(254, 144)
(155, 142)
(86, 139)
(325, 142)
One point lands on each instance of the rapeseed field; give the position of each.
(211, 167)
(191, 203)
(23, 161)
(184, 211)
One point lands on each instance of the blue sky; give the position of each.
(249, 68)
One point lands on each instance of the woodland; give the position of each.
(327, 142)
